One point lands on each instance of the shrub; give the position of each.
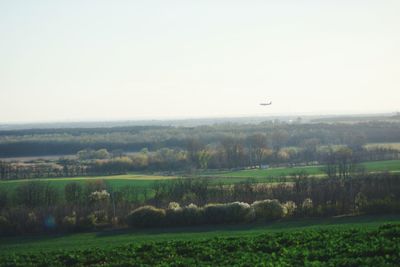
(307, 206)
(146, 216)
(102, 195)
(189, 215)
(307, 203)
(69, 222)
(87, 222)
(227, 213)
(173, 214)
(101, 216)
(192, 215)
(174, 206)
(239, 212)
(268, 209)
(214, 213)
(290, 208)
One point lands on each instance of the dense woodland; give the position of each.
(231, 154)
(105, 151)
(41, 142)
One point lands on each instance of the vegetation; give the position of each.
(106, 239)
(120, 150)
(330, 246)
(233, 175)
(36, 207)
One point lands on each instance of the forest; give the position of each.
(119, 150)
(65, 141)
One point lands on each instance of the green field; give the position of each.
(115, 238)
(373, 166)
(224, 177)
(138, 180)
(358, 240)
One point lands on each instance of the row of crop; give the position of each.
(318, 247)
(235, 212)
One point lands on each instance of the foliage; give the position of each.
(146, 216)
(69, 222)
(268, 209)
(188, 215)
(227, 213)
(234, 212)
(307, 206)
(290, 208)
(319, 247)
(86, 222)
(102, 195)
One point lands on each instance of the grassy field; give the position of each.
(374, 166)
(224, 177)
(114, 238)
(138, 180)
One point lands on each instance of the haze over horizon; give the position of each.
(103, 60)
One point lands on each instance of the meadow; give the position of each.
(260, 174)
(145, 180)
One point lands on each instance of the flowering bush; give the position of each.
(290, 208)
(146, 216)
(102, 195)
(268, 209)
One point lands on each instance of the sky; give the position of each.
(124, 60)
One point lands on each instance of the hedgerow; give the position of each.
(234, 212)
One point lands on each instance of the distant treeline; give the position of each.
(228, 156)
(41, 142)
(252, 152)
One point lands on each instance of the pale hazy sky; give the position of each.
(105, 60)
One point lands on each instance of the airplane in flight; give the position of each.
(266, 103)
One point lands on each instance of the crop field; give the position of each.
(343, 241)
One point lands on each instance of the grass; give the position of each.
(106, 239)
(224, 177)
(373, 166)
(272, 172)
(116, 181)
(381, 166)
